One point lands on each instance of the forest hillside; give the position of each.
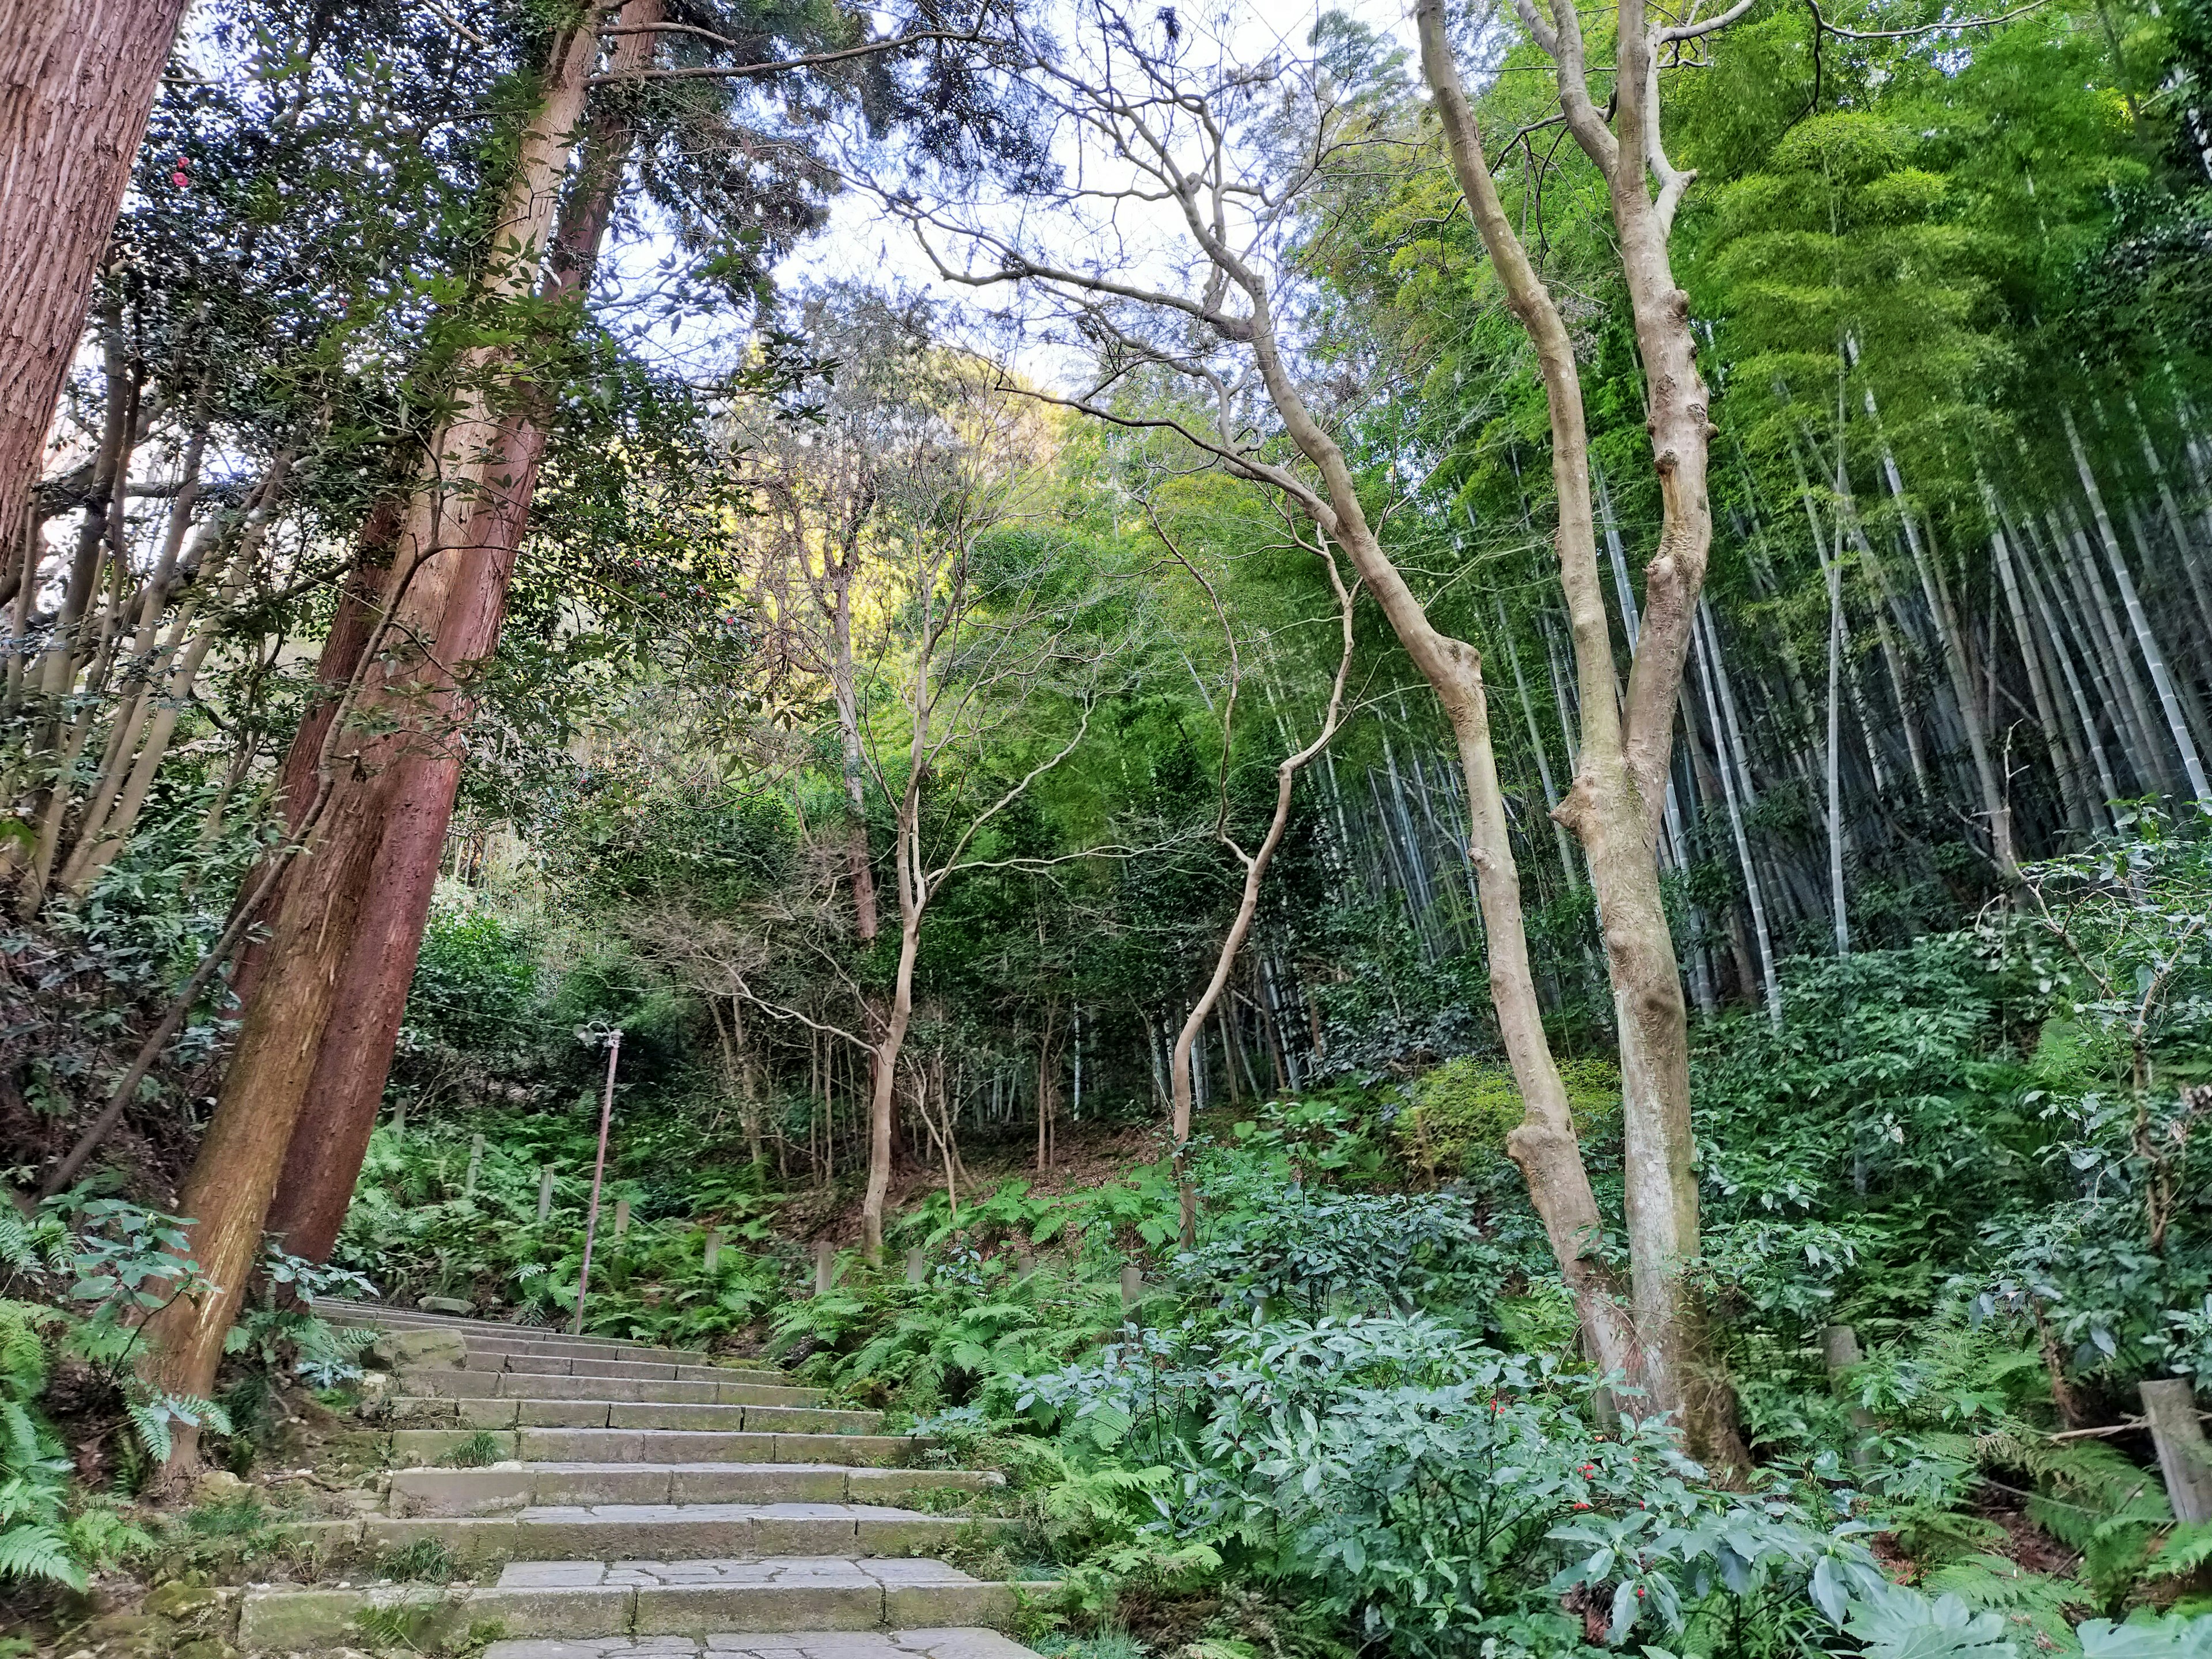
(1198, 833)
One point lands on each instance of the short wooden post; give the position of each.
(825, 1266)
(1025, 1263)
(475, 1163)
(544, 1192)
(1607, 1410)
(714, 1248)
(1840, 1347)
(916, 1266)
(399, 1116)
(1132, 1285)
(2170, 1405)
(622, 1216)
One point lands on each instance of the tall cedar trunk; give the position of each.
(330, 1138)
(329, 1142)
(76, 84)
(352, 624)
(1615, 803)
(234, 1176)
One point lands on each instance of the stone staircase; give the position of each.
(640, 1500)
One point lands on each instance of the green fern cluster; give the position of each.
(965, 1335)
(42, 1538)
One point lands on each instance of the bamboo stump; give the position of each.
(2184, 1459)
(1840, 1347)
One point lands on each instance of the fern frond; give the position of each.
(39, 1552)
(2182, 1550)
(149, 1427)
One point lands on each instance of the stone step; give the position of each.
(607, 1605)
(531, 1362)
(701, 1385)
(955, 1643)
(341, 1312)
(668, 1532)
(499, 1343)
(413, 1448)
(602, 1412)
(523, 1484)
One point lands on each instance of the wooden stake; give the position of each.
(544, 1193)
(475, 1163)
(714, 1253)
(598, 1173)
(825, 1266)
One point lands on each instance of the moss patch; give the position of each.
(1460, 1112)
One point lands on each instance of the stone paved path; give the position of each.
(796, 1645)
(644, 1501)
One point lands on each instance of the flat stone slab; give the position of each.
(533, 1361)
(955, 1641)
(665, 1602)
(441, 1430)
(520, 1485)
(431, 1408)
(610, 1532)
(734, 1569)
(494, 1332)
(703, 1385)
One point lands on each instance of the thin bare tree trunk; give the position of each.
(1255, 871)
(1617, 801)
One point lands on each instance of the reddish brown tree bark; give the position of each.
(436, 578)
(355, 619)
(331, 1139)
(76, 84)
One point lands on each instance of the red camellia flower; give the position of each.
(181, 178)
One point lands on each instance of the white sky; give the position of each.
(863, 244)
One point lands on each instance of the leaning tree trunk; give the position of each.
(331, 1140)
(76, 84)
(234, 1179)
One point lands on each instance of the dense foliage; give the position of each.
(845, 684)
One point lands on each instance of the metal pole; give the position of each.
(598, 1169)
